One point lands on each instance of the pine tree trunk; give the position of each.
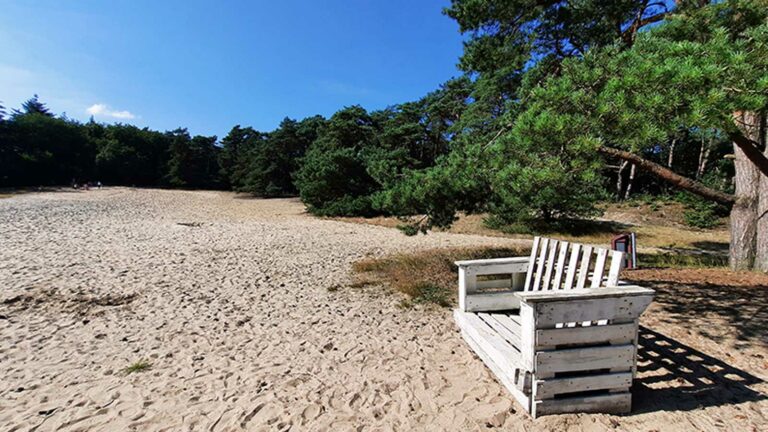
(670, 159)
(743, 248)
(631, 179)
(671, 156)
(703, 158)
(620, 179)
(761, 256)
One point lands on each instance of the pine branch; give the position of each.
(670, 176)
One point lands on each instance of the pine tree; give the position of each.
(34, 106)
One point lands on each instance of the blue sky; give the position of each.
(209, 65)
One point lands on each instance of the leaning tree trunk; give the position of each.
(743, 248)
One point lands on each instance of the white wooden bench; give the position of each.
(556, 330)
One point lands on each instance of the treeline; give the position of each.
(40, 149)
(338, 165)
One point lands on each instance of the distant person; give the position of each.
(98, 184)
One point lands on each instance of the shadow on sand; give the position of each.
(673, 376)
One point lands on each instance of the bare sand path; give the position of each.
(229, 301)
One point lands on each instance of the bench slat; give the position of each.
(617, 263)
(550, 266)
(582, 359)
(615, 333)
(616, 403)
(586, 256)
(597, 274)
(495, 321)
(572, 266)
(560, 265)
(510, 323)
(532, 263)
(549, 388)
(499, 350)
(491, 301)
(540, 265)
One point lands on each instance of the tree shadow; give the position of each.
(717, 246)
(674, 376)
(571, 227)
(250, 197)
(738, 299)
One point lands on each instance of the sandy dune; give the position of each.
(229, 301)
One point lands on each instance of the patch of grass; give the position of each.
(139, 366)
(682, 260)
(658, 222)
(431, 294)
(427, 277)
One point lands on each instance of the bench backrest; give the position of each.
(556, 265)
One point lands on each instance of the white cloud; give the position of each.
(102, 110)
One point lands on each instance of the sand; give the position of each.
(241, 309)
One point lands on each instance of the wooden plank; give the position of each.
(617, 263)
(546, 283)
(618, 309)
(532, 263)
(497, 371)
(512, 326)
(557, 281)
(597, 275)
(527, 335)
(491, 261)
(503, 268)
(514, 317)
(586, 256)
(494, 346)
(495, 283)
(618, 357)
(586, 293)
(546, 389)
(467, 285)
(491, 319)
(540, 265)
(492, 301)
(616, 334)
(615, 403)
(571, 274)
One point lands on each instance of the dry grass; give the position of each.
(427, 277)
(659, 228)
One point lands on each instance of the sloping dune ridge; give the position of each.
(238, 308)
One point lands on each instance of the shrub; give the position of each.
(702, 215)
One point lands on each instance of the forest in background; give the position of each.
(561, 105)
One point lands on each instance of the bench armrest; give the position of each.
(492, 261)
(471, 298)
(583, 294)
